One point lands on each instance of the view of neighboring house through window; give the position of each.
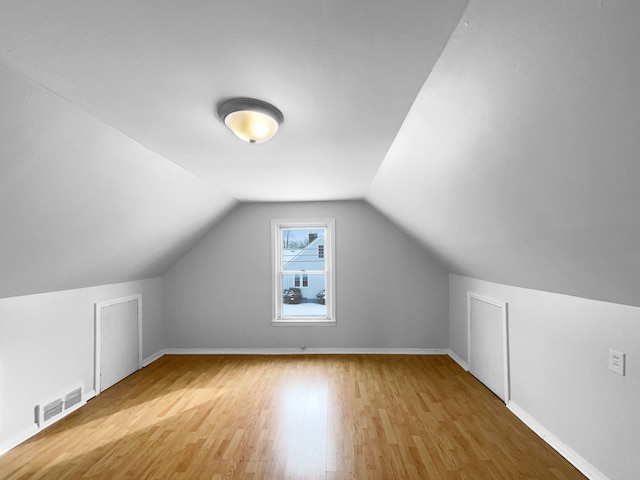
(303, 271)
(301, 280)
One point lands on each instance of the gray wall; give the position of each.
(47, 346)
(559, 371)
(390, 292)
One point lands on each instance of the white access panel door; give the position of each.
(488, 349)
(118, 345)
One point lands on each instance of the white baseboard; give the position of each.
(33, 430)
(459, 360)
(149, 360)
(18, 439)
(563, 449)
(300, 351)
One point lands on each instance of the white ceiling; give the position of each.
(81, 204)
(504, 136)
(520, 159)
(343, 73)
(113, 162)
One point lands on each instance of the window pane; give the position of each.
(303, 267)
(300, 247)
(304, 302)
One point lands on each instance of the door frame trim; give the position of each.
(505, 337)
(98, 306)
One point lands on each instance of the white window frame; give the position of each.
(277, 226)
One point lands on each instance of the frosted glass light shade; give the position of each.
(253, 121)
(252, 127)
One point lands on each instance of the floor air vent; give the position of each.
(72, 398)
(56, 409)
(52, 409)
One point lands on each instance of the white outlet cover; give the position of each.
(616, 361)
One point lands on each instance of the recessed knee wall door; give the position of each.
(118, 341)
(488, 343)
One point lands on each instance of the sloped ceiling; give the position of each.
(519, 161)
(112, 160)
(503, 135)
(343, 73)
(81, 204)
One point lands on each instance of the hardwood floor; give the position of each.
(280, 417)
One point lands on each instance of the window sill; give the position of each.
(297, 322)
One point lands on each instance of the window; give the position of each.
(303, 272)
(304, 283)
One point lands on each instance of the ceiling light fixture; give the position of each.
(253, 121)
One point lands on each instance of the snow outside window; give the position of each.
(303, 272)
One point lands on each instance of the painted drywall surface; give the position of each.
(156, 70)
(47, 345)
(559, 368)
(518, 161)
(81, 204)
(390, 292)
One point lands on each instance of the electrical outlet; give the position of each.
(616, 361)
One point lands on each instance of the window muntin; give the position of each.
(303, 272)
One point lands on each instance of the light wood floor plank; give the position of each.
(325, 417)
